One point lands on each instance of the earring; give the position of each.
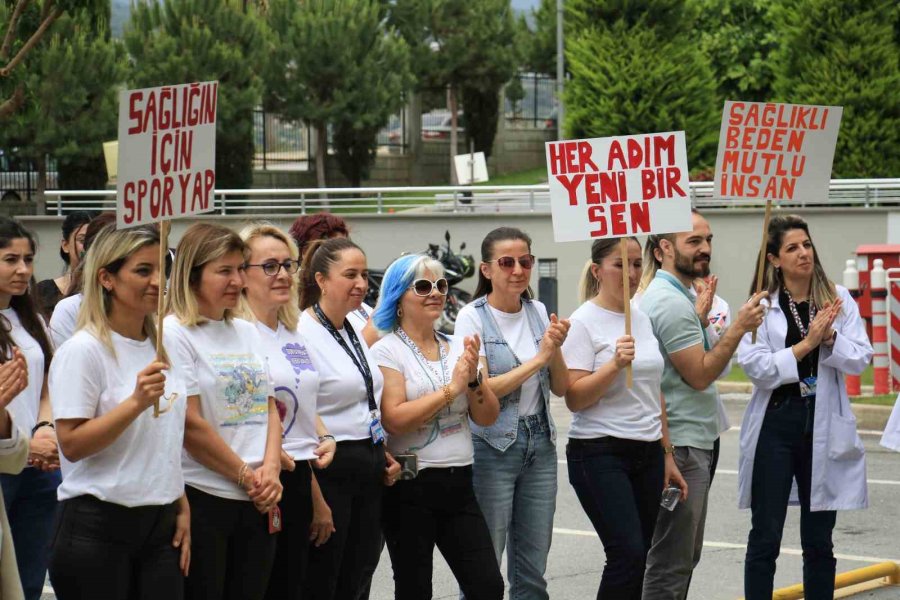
(399, 312)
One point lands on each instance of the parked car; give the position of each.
(435, 126)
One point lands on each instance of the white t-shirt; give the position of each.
(342, 402)
(222, 364)
(446, 441)
(64, 318)
(24, 407)
(719, 319)
(296, 386)
(632, 414)
(142, 467)
(516, 331)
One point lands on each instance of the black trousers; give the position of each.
(292, 552)
(109, 551)
(232, 549)
(352, 486)
(439, 508)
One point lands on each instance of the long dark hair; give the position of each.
(501, 234)
(73, 221)
(25, 305)
(95, 226)
(320, 255)
(822, 290)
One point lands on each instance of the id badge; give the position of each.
(450, 425)
(376, 430)
(275, 520)
(808, 386)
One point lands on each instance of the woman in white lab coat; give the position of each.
(798, 425)
(891, 437)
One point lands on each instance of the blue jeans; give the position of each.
(784, 452)
(516, 490)
(618, 483)
(30, 499)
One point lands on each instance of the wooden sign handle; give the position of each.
(626, 289)
(761, 266)
(161, 303)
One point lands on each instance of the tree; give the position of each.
(466, 47)
(540, 44)
(738, 37)
(634, 70)
(844, 53)
(69, 111)
(337, 62)
(181, 41)
(27, 23)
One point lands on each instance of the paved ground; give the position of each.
(861, 538)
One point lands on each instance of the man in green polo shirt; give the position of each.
(688, 386)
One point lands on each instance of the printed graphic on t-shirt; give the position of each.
(242, 388)
(285, 399)
(718, 321)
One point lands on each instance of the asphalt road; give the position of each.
(576, 559)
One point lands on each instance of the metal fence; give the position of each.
(859, 193)
(537, 107)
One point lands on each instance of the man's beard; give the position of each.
(687, 267)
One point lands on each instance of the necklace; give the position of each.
(443, 377)
(793, 306)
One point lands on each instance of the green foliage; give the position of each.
(539, 45)
(628, 77)
(669, 19)
(182, 41)
(845, 53)
(69, 110)
(469, 46)
(336, 62)
(738, 37)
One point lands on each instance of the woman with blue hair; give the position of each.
(432, 386)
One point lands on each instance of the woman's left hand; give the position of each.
(325, 453)
(182, 537)
(44, 450)
(673, 477)
(391, 469)
(266, 492)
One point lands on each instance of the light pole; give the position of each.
(560, 69)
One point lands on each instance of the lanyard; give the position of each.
(424, 362)
(797, 320)
(677, 285)
(362, 365)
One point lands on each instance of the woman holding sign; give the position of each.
(334, 279)
(799, 425)
(619, 455)
(432, 385)
(270, 300)
(232, 430)
(124, 527)
(514, 472)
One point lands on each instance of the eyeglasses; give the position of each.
(424, 287)
(272, 267)
(526, 261)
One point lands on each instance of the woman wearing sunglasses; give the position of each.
(432, 385)
(514, 472)
(270, 300)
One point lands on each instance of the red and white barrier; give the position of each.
(893, 286)
(851, 282)
(880, 361)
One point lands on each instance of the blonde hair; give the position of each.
(651, 263)
(288, 314)
(109, 252)
(600, 249)
(201, 243)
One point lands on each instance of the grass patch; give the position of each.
(527, 177)
(737, 374)
(881, 400)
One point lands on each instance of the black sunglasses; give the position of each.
(272, 267)
(424, 287)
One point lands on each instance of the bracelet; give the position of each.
(42, 424)
(244, 468)
(448, 395)
(327, 436)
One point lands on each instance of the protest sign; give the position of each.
(166, 165)
(775, 152)
(618, 187)
(167, 142)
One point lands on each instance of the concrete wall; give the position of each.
(836, 232)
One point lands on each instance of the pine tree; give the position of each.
(182, 41)
(336, 62)
(844, 53)
(638, 71)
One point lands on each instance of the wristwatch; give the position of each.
(42, 424)
(670, 449)
(476, 383)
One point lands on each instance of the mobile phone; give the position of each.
(670, 497)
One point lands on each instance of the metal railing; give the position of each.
(862, 193)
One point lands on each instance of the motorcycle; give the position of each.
(457, 267)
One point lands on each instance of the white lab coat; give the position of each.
(838, 461)
(891, 437)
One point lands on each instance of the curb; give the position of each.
(869, 417)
